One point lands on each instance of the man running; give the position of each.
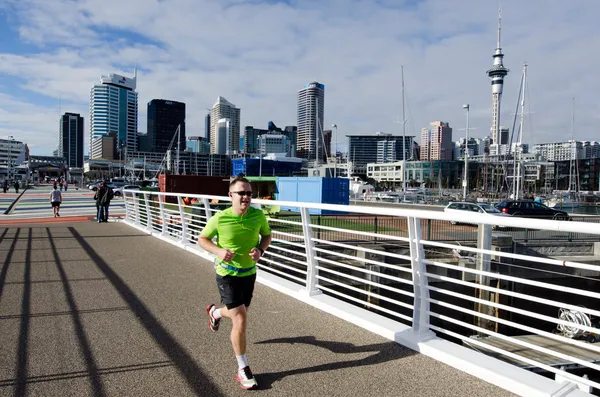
(243, 235)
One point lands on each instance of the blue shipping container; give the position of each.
(314, 190)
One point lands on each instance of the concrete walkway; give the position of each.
(91, 309)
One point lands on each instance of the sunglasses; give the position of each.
(244, 193)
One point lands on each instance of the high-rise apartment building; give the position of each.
(436, 142)
(70, 140)
(311, 102)
(223, 109)
(164, 117)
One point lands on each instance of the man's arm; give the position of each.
(207, 245)
(258, 251)
(265, 241)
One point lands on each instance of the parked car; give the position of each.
(119, 191)
(531, 209)
(94, 186)
(468, 208)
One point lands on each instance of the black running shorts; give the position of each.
(236, 291)
(56, 203)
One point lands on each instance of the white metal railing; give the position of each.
(496, 301)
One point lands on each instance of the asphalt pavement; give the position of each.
(91, 309)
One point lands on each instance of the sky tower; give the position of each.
(497, 73)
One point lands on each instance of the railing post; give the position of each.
(148, 212)
(311, 261)
(183, 222)
(207, 210)
(163, 221)
(127, 209)
(375, 226)
(429, 229)
(419, 268)
(484, 241)
(136, 206)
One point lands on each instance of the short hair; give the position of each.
(238, 179)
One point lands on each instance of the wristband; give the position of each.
(262, 251)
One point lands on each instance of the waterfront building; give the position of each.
(12, 154)
(364, 149)
(114, 108)
(561, 151)
(273, 143)
(197, 144)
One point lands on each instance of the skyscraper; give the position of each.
(70, 141)
(114, 108)
(436, 142)
(207, 127)
(163, 119)
(222, 139)
(311, 102)
(223, 109)
(497, 73)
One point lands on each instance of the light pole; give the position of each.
(9, 162)
(466, 155)
(335, 150)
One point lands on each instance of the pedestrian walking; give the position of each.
(66, 185)
(61, 185)
(103, 196)
(16, 185)
(5, 185)
(243, 234)
(55, 201)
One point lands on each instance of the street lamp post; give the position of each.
(466, 155)
(9, 160)
(335, 151)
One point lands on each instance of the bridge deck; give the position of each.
(102, 309)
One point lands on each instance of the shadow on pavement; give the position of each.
(194, 375)
(384, 352)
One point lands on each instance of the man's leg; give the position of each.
(106, 212)
(99, 212)
(238, 328)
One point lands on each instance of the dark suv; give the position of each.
(531, 209)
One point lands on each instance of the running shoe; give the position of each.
(246, 379)
(213, 323)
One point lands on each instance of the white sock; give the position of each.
(242, 361)
(217, 314)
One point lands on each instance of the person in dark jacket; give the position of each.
(103, 196)
(16, 186)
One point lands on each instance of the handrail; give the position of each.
(397, 271)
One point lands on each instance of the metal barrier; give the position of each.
(536, 313)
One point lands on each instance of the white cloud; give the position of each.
(257, 55)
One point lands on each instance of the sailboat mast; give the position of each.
(403, 137)
(573, 146)
(518, 151)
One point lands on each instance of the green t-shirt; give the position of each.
(238, 234)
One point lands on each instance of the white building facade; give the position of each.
(223, 137)
(12, 154)
(274, 143)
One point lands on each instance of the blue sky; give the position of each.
(257, 54)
